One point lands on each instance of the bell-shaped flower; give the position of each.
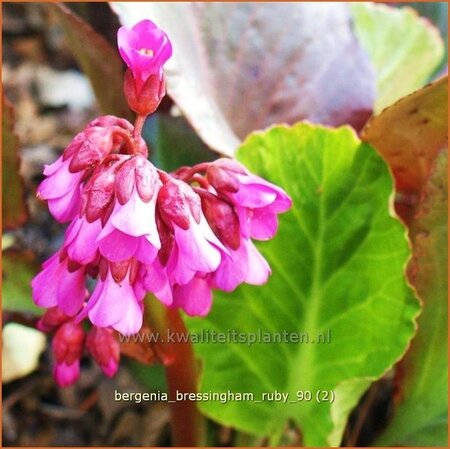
(256, 200)
(130, 230)
(194, 247)
(113, 302)
(144, 48)
(61, 283)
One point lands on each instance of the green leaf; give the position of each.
(338, 270)
(238, 67)
(98, 60)
(437, 13)
(14, 208)
(423, 393)
(404, 48)
(18, 269)
(173, 143)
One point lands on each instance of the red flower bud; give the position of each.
(67, 347)
(51, 320)
(140, 173)
(145, 100)
(99, 190)
(105, 349)
(222, 179)
(223, 220)
(172, 205)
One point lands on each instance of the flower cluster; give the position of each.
(137, 229)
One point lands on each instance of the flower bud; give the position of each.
(104, 347)
(144, 48)
(96, 144)
(222, 178)
(144, 100)
(172, 204)
(67, 347)
(136, 174)
(223, 220)
(51, 320)
(99, 190)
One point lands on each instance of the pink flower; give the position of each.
(62, 187)
(80, 243)
(256, 200)
(144, 48)
(60, 284)
(104, 348)
(193, 246)
(114, 302)
(62, 190)
(245, 264)
(67, 347)
(135, 229)
(195, 297)
(131, 231)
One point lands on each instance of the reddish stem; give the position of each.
(187, 175)
(187, 423)
(138, 125)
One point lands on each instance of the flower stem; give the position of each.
(187, 423)
(138, 125)
(187, 174)
(181, 373)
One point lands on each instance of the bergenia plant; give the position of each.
(135, 229)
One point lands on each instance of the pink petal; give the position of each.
(253, 195)
(71, 291)
(255, 192)
(118, 246)
(53, 168)
(145, 252)
(194, 298)
(45, 283)
(157, 282)
(232, 270)
(56, 286)
(263, 225)
(258, 268)
(196, 251)
(81, 241)
(60, 182)
(65, 375)
(115, 306)
(137, 218)
(177, 270)
(66, 207)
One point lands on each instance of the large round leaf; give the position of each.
(338, 271)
